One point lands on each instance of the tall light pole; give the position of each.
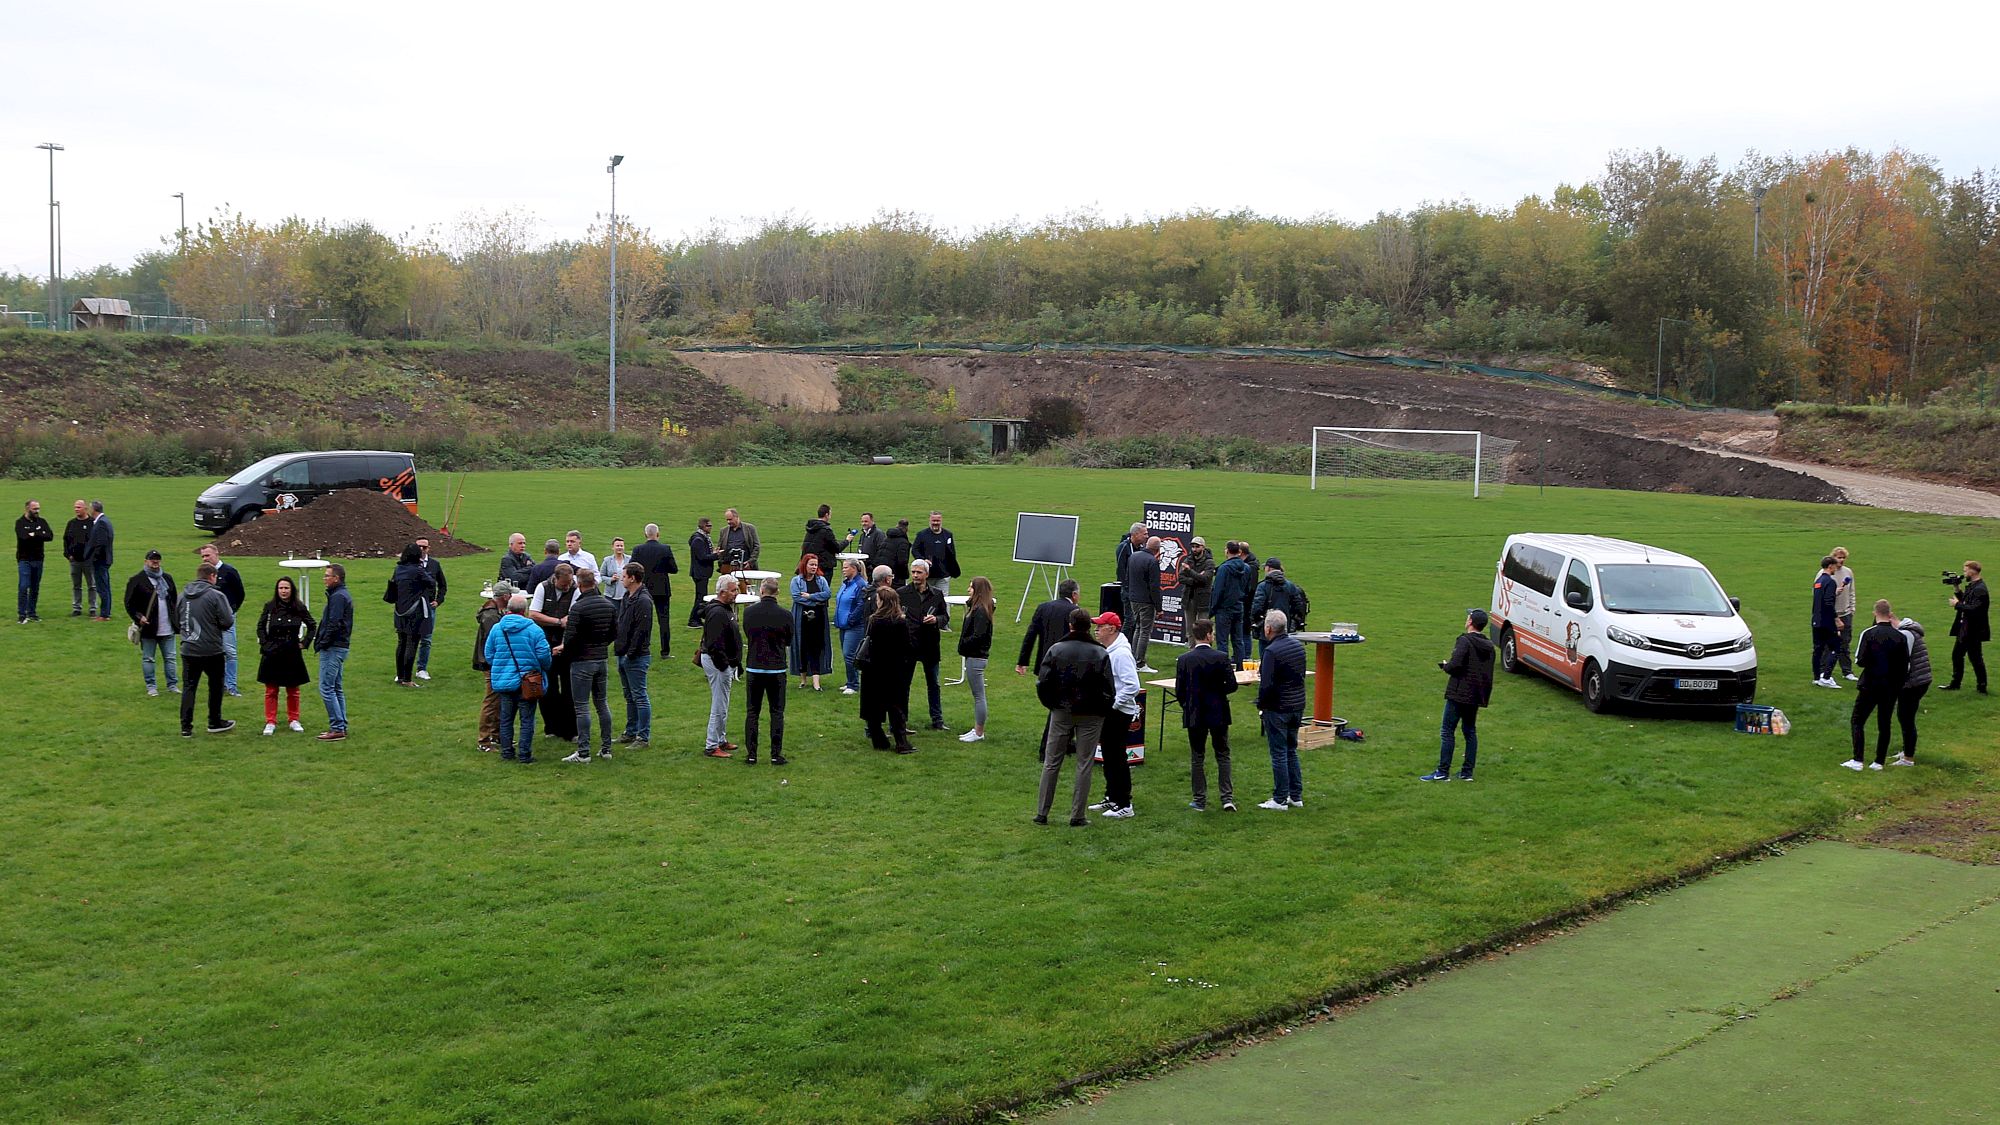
(182, 196)
(58, 207)
(55, 277)
(613, 169)
(1757, 221)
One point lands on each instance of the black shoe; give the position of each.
(750, 759)
(508, 756)
(76, 613)
(906, 749)
(939, 726)
(1040, 819)
(187, 732)
(227, 726)
(780, 760)
(525, 759)
(1077, 822)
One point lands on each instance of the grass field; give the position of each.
(399, 928)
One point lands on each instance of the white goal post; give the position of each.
(1390, 454)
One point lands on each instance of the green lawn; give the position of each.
(400, 928)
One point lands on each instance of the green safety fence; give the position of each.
(1543, 377)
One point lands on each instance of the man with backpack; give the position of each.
(1282, 594)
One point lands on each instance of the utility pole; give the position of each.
(55, 276)
(182, 196)
(613, 169)
(1757, 221)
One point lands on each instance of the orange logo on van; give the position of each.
(400, 481)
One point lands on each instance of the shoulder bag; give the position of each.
(532, 684)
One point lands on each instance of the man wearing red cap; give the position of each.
(1117, 733)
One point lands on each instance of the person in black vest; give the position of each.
(1470, 667)
(76, 543)
(656, 561)
(1204, 679)
(934, 545)
(436, 570)
(1970, 627)
(767, 645)
(587, 635)
(927, 615)
(701, 567)
(1883, 656)
(550, 608)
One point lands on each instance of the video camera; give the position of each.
(1953, 579)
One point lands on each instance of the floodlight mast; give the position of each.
(613, 410)
(55, 276)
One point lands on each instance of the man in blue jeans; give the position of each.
(1470, 667)
(31, 534)
(634, 652)
(1281, 695)
(336, 632)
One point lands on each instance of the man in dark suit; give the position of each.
(658, 560)
(1203, 682)
(1049, 625)
(1971, 628)
(701, 567)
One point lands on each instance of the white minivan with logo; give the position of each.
(1621, 622)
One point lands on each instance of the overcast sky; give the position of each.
(409, 114)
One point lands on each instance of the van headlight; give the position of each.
(1629, 640)
(1749, 640)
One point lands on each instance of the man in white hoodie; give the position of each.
(1117, 731)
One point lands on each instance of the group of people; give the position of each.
(1890, 664)
(87, 546)
(1228, 593)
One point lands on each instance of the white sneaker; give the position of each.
(1852, 676)
(1904, 760)
(1148, 669)
(845, 690)
(423, 675)
(579, 756)
(1826, 681)
(1874, 765)
(972, 736)
(152, 692)
(1119, 814)
(270, 728)
(1851, 764)
(1297, 804)
(297, 726)
(1100, 806)
(1274, 806)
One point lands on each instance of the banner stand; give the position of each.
(1052, 577)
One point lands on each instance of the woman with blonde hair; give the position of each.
(975, 644)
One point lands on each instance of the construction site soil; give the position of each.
(1567, 437)
(350, 524)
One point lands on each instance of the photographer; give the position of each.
(1969, 627)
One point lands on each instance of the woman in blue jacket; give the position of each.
(515, 647)
(850, 616)
(812, 636)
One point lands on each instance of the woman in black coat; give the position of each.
(284, 630)
(885, 676)
(411, 590)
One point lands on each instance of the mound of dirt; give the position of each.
(354, 523)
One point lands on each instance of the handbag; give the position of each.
(532, 684)
(864, 653)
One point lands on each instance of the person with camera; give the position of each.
(1470, 667)
(740, 546)
(1969, 627)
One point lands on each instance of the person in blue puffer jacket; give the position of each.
(515, 648)
(850, 615)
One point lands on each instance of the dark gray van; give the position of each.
(290, 480)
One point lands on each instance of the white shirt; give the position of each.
(1124, 676)
(580, 559)
(535, 605)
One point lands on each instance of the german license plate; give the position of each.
(1697, 685)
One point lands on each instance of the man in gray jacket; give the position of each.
(205, 617)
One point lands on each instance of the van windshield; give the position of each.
(1653, 588)
(257, 472)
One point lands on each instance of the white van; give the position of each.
(1621, 621)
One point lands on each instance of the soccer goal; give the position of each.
(1439, 455)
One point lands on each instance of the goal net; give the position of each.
(1466, 456)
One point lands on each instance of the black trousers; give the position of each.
(193, 668)
(700, 593)
(1907, 705)
(1961, 652)
(1826, 643)
(661, 603)
(406, 656)
(1198, 739)
(1884, 705)
(1117, 771)
(766, 688)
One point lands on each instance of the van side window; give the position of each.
(292, 474)
(1533, 568)
(1578, 582)
(340, 472)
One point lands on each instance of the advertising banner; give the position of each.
(1174, 524)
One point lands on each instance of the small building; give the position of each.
(1002, 435)
(101, 312)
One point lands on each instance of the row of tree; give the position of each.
(1846, 276)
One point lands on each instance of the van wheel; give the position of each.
(1596, 695)
(246, 515)
(1510, 657)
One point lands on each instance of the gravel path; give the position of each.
(1899, 493)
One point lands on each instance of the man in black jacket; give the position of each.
(154, 605)
(76, 542)
(720, 658)
(1883, 656)
(634, 650)
(336, 633)
(1970, 627)
(436, 570)
(591, 626)
(1049, 625)
(1204, 679)
(767, 646)
(31, 534)
(1142, 598)
(873, 542)
(1281, 695)
(546, 569)
(656, 563)
(1280, 593)
(1073, 681)
(927, 615)
(934, 545)
(230, 583)
(821, 543)
(97, 551)
(1470, 667)
(1229, 603)
(701, 567)
(515, 565)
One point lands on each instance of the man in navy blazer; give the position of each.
(1203, 682)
